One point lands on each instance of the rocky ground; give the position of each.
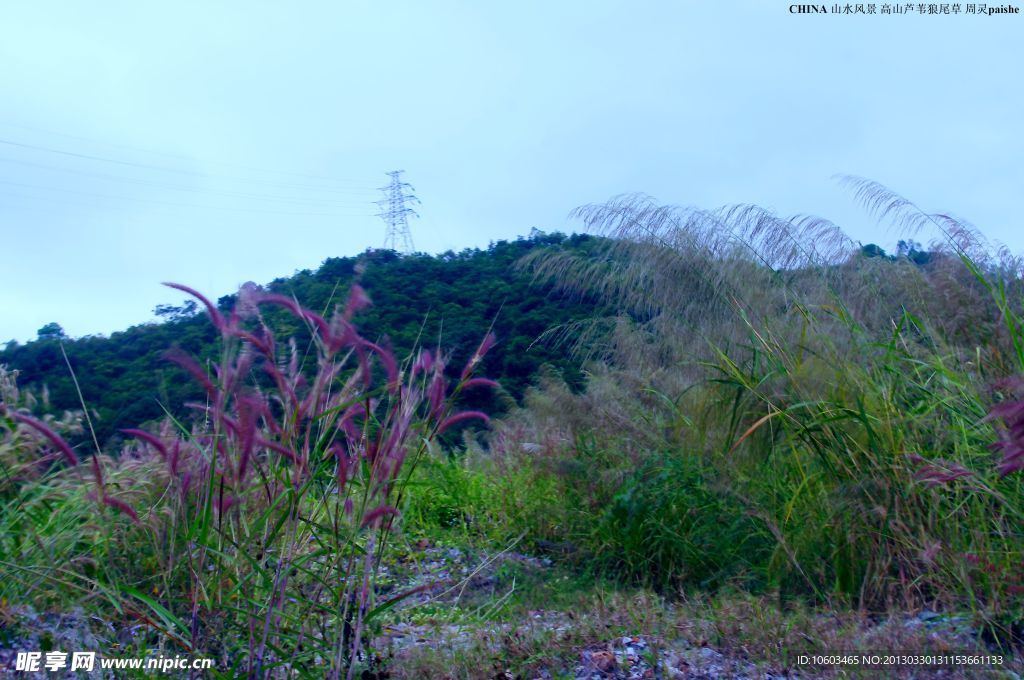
(451, 576)
(475, 586)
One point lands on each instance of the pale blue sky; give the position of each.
(133, 135)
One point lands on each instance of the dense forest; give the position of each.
(450, 300)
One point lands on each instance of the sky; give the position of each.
(217, 143)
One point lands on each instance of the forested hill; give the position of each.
(450, 299)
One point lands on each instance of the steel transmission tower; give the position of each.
(394, 212)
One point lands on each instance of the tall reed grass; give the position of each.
(834, 413)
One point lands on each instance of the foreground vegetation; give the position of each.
(775, 426)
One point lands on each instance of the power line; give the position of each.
(37, 205)
(171, 203)
(183, 187)
(395, 212)
(147, 166)
(178, 156)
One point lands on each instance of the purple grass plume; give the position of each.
(1011, 432)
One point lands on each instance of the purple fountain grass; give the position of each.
(246, 419)
(459, 417)
(42, 428)
(357, 300)
(284, 301)
(424, 362)
(150, 439)
(1011, 434)
(250, 409)
(193, 369)
(938, 471)
(387, 358)
(347, 421)
(215, 316)
(321, 326)
(480, 382)
(378, 513)
(485, 345)
(121, 506)
(100, 494)
(438, 388)
(265, 424)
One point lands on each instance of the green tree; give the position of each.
(51, 331)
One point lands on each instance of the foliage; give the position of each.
(821, 412)
(759, 405)
(448, 300)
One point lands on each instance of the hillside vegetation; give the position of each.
(449, 300)
(758, 437)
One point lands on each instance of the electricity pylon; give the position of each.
(394, 212)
